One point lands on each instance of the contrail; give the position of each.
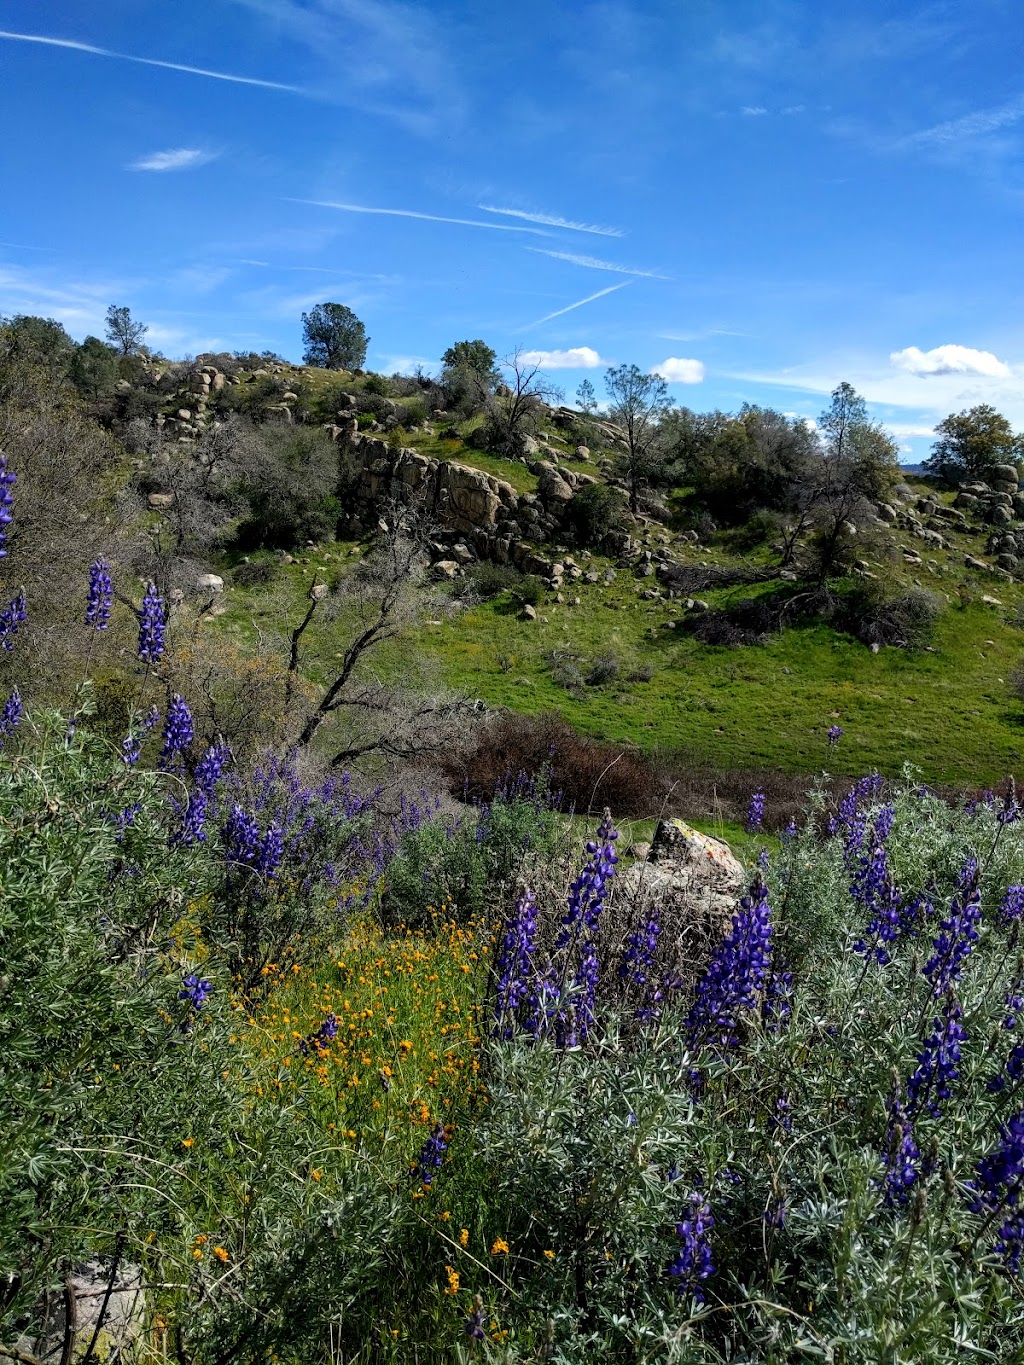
(551, 220)
(148, 61)
(427, 217)
(578, 304)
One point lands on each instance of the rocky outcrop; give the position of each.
(485, 514)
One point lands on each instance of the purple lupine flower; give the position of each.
(210, 767)
(835, 734)
(474, 1324)
(938, 1062)
(775, 1213)
(318, 1040)
(179, 730)
(101, 596)
(790, 831)
(777, 1003)
(874, 888)
(513, 964)
(958, 932)
(7, 481)
(12, 616)
(851, 815)
(241, 836)
(637, 966)
(736, 974)
(131, 745)
(781, 1117)
(270, 851)
(694, 1264)
(901, 1157)
(586, 895)
(195, 991)
(192, 829)
(755, 813)
(10, 716)
(431, 1156)
(152, 626)
(997, 1191)
(1012, 906)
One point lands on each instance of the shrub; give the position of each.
(905, 619)
(459, 866)
(595, 512)
(290, 483)
(254, 573)
(603, 670)
(488, 580)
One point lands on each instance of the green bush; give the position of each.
(595, 512)
(468, 866)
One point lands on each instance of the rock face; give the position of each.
(690, 875)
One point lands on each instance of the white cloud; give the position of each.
(592, 263)
(910, 430)
(576, 358)
(676, 370)
(949, 360)
(959, 130)
(174, 159)
(551, 220)
(754, 110)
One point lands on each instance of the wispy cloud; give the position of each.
(74, 46)
(754, 110)
(949, 360)
(576, 358)
(174, 159)
(382, 57)
(552, 220)
(592, 263)
(578, 304)
(969, 126)
(426, 217)
(677, 370)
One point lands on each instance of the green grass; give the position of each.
(950, 713)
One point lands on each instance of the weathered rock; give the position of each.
(691, 876)
(445, 569)
(1003, 473)
(123, 1315)
(991, 601)
(209, 582)
(159, 502)
(971, 562)
(581, 453)
(528, 613)
(886, 512)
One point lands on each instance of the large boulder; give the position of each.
(1003, 473)
(689, 875)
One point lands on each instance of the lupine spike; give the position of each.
(100, 597)
(7, 481)
(152, 626)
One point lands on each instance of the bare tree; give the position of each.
(394, 722)
(515, 408)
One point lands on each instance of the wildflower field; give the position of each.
(307, 1073)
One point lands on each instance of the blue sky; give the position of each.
(758, 198)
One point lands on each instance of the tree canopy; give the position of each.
(123, 332)
(638, 402)
(971, 442)
(334, 337)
